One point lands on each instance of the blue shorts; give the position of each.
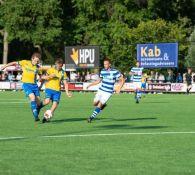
(143, 86)
(31, 89)
(52, 95)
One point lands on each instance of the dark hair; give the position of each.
(107, 59)
(59, 61)
(36, 54)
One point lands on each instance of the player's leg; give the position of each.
(54, 106)
(55, 97)
(34, 106)
(37, 98)
(143, 89)
(189, 87)
(28, 90)
(138, 92)
(102, 98)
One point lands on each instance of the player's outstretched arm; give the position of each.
(94, 83)
(66, 89)
(14, 63)
(47, 77)
(121, 83)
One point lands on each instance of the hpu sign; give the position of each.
(160, 55)
(82, 57)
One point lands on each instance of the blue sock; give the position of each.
(139, 94)
(41, 105)
(95, 112)
(34, 109)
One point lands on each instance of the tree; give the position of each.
(32, 21)
(117, 26)
(190, 59)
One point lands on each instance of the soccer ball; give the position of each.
(48, 114)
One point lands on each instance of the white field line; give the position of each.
(100, 134)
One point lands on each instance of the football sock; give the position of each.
(95, 112)
(41, 105)
(34, 109)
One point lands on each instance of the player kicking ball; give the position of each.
(53, 79)
(108, 77)
(136, 72)
(30, 70)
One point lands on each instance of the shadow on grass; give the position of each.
(130, 119)
(157, 102)
(115, 126)
(72, 120)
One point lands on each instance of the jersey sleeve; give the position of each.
(118, 75)
(101, 76)
(22, 62)
(49, 71)
(65, 77)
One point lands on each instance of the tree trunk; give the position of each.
(5, 47)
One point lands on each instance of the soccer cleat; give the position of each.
(37, 120)
(103, 106)
(89, 120)
(44, 120)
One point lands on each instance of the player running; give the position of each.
(108, 77)
(189, 80)
(143, 84)
(54, 77)
(30, 70)
(136, 72)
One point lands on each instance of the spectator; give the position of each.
(87, 77)
(73, 76)
(169, 78)
(11, 77)
(156, 77)
(78, 77)
(19, 76)
(179, 78)
(161, 78)
(94, 76)
(152, 77)
(82, 77)
(193, 77)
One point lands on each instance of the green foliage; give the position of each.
(35, 21)
(115, 25)
(190, 59)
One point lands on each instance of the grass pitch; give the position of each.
(155, 137)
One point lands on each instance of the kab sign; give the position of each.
(161, 55)
(82, 57)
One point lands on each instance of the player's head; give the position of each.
(137, 64)
(59, 63)
(189, 70)
(107, 63)
(35, 58)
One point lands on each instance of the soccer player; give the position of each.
(108, 77)
(189, 80)
(30, 70)
(143, 84)
(54, 77)
(136, 72)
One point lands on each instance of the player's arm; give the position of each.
(14, 63)
(121, 83)
(66, 88)
(47, 77)
(94, 83)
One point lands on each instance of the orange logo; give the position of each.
(75, 56)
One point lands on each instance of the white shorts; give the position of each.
(102, 96)
(137, 85)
